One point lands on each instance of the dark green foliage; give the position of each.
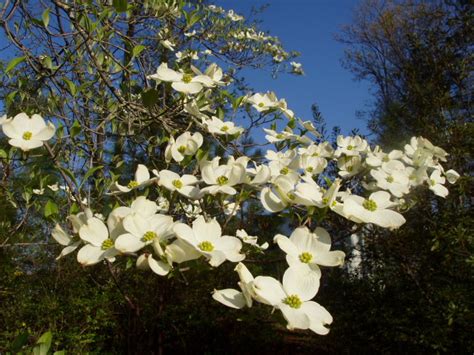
(417, 292)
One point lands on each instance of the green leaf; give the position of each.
(69, 173)
(90, 172)
(3, 154)
(10, 97)
(150, 97)
(74, 209)
(137, 50)
(120, 5)
(71, 86)
(60, 352)
(45, 18)
(47, 62)
(50, 209)
(237, 102)
(13, 63)
(292, 123)
(43, 344)
(19, 342)
(75, 129)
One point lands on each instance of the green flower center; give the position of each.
(280, 136)
(306, 257)
(222, 180)
(177, 183)
(350, 147)
(284, 171)
(187, 78)
(261, 104)
(224, 128)
(293, 301)
(315, 155)
(432, 182)
(385, 159)
(132, 184)
(27, 135)
(309, 169)
(389, 179)
(149, 236)
(107, 244)
(350, 168)
(206, 246)
(291, 195)
(325, 201)
(182, 149)
(370, 205)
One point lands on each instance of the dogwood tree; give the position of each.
(135, 116)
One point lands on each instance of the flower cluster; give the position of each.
(181, 211)
(178, 229)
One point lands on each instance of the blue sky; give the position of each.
(309, 26)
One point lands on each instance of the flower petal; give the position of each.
(94, 231)
(206, 231)
(301, 281)
(318, 317)
(90, 255)
(269, 290)
(128, 243)
(158, 266)
(296, 317)
(230, 298)
(60, 235)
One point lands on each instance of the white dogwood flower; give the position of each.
(142, 179)
(206, 238)
(99, 245)
(238, 299)
(222, 178)
(349, 165)
(312, 165)
(185, 184)
(376, 156)
(275, 137)
(65, 239)
(292, 298)
(395, 181)
(283, 163)
(374, 210)
(182, 82)
(280, 195)
(262, 102)
(309, 248)
(142, 231)
(213, 72)
(167, 44)
(452, 176)
(249, 239)
(323, 150)
(27, 132)
(261, 174)
(436, 184)
(147, 261)
(219, 127)
(350, 146)
(186, 144)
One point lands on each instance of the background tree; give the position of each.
(416, 295)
